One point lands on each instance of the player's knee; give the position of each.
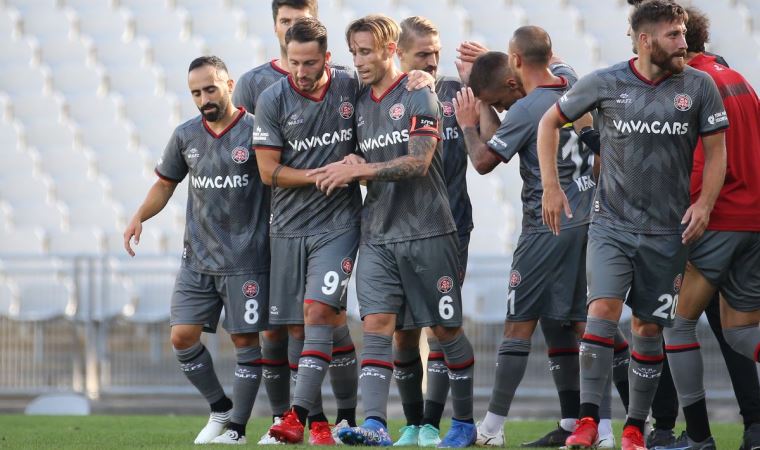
(407, 340)
(519, 330)
(276, 334)
(379, 324)
(242, 340)
(316, 313)
(645, 329)
(445, 334)
(183, 339)
(296, 332)
(606, 308)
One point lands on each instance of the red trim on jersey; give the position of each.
(241, 113)
(710, 133)
(294, 367)
(310, 97)
(377, 362)
(561, 84)
(645, 79)
(267, 147)
(463, 365)
(561, 114)
(164, 177)
(387, 91)
(276, 67)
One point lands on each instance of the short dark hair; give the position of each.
(308, 29)
(488, 71)
(415, 25)
(634, 2)
(383, 29)
(210, 60)
(651, 12)
(534, 44)
(698, 31)
(311, 5)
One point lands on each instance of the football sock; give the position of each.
(407, 371)
(460, 359)
(245, 385)
(493, 423)
(595, 356)
(744, 340)
(313, 365)
(195, 362)
(276, 374)
(344, 374)
(620, 360)
(511, 363)
(562, 348)
(644, 374)
(437, 384)
(376, 373)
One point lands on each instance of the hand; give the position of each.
(553, 202)
(470, 50)
(133, 229)
(333, 176)
(466, 108)
(697, 217)
(353, 158)
(418, 79)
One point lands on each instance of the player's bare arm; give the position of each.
(419, 79)
(278, 175)
(468, 52)
(554, 201)
(698, 214)
(468, 112)
(156, 199)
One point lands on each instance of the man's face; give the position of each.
(668, 46)
(502, 98)
(307, 64)
(211, 91)
(422, 53)
(514, 55)
(371, 62)
(286, 16)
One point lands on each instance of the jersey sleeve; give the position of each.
(267, 132)
(424, 114)
(712, 113)
(564, 70)
(581, 98)
(243, 94)
(172, 165)
(512, 135)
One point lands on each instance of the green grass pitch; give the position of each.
(175, 432)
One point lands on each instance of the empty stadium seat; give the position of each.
(105, 23)
(109, 136)
(10, 24)
(83, 241)
(77, 78)
(152, 243)
(205, 23)
(175, 56)
(496, 24)
(157, 22)
(49, 23)
(27, 6)
(19, 188)
(44, 136)
(73, 185)
(95, 211)
(152, 300)
(136, 80)
(19, 52)
(19, 79)
(118, 294)
(94, 109)
(118, 53)
(37, 213)
(64, 51)
(26, 241)
(39, 106)
(41, 299)
(121, 166)
(240, 56)
(11, 136)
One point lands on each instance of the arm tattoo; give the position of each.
(276, 173)
(473, 143)
(414, 164)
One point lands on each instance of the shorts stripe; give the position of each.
(464, 365)
(377, 363)
(623, 346)
(598, 340)
(554, 352)
(647, 359)
(436, 356)
(406, 363)
(682, 348)
(323, 356)
(337, 351)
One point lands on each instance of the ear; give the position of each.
(644, 39)
(231, 84)
(392, 48)
(512, 83)
(517, 59)
(328, 55)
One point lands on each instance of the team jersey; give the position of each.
(649, 130)
(738, 205)
(252, 83)
(518, 135)
(415, 208)
(454, 155)
(310, 132)
(227, 230)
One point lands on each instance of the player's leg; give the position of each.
(407, 371)
(195, 303)
(344, 373)
(740, 299)
(664, 410)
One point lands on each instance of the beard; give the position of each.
(213, 111)
(672, 62)
(311, 82)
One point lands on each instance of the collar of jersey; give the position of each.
(387, 91)
(645, 79)
(240, 115)
(560, 85)
(274, 65)
(307, 96)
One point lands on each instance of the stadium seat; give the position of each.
(10, 24)
(17, 162)
(105, 23)
(154, 137)
(49, 23)
(122, 164)
(7, 294)
(34, 79)
(496, 24)
(19, 188)
(55, 53)
(76, 242)
(157, 22)
(119, 293)
(119, 53)
(96, 211)
(109, 136)
(32, 107)
(11, 137)
(47, 214)
(77, 78)
(129, 186)
(174, 56)
(19, 52)
(32, 6)
(204, 23)
(142, 109)
(153, 298)
(28, 241)
(42, 299)
(51, 135)
(240, 56)
(94, 109)
(73, 185)
(137, 80)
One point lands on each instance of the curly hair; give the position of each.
(698, 31)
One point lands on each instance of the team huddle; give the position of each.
(635, 191)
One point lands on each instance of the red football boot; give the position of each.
(289, 430)
(632, 439)
(320, 434)
(585, 434)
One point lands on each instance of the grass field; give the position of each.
(164, 432)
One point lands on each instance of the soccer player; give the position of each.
(653, 110)
(724, 258)
(282, 352)
(225, 260)
(303, 122)
(408, 246)
(419, 48)
(498, 80)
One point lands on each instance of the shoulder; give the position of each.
(189, 125)
(247, 119)
(273, 92)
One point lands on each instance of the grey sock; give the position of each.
(196, 364)
(685, 360)
(620, 359)
(407, 371)
(510, 369)
(437, 374)
(276, 374)
(245, 385)
(312, 366)
(460, 359)
(744, 340)
(344, 375)
(375, 376)
(644, 374)
(595, 356)
(562, 348)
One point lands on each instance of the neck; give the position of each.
(283, 62)
(691, 55)
(321, 85)
(222, 124)
(647, 68)
(391, 75)
(533, 77)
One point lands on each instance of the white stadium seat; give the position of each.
(27, 241)
(76, 242)
(118, 53)
(96, 211)
(205, 22)
(51, 135)
(158, 22)
(19, 51)
(16, 79)
(41, 299)
(37, 213)
(10, 24)
(105, 24)
(143, 109)
(39, 106)
(77, 78)
(240, 56)
(136, 80)
(109, 136)
(152, 243)
(94, 109)
(49, 23)
(65, 51)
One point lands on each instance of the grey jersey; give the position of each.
(310, 132)
(252, 83)
(416, 208)
(226, 231)
(518, 134)
(454, 155)
(649, 132)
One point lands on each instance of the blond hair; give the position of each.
(383, 29)
(417, 26)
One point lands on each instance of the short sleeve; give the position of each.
(564, 70)
(172, 166)
(712, 113)
(424, 114)
(512, 135)
(266, 130)
(581, 98)
(243, 95)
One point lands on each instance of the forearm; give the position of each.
(288, 177)
(397, 169)
(489, 122)
(547, 143)
(156, 199)
(713, 175)
(482, 158)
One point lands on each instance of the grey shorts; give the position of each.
(730, 261)
(310, 269)
(646, 270)
(464, 252)
(198, 300)
(416, 280)
(548, 277)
